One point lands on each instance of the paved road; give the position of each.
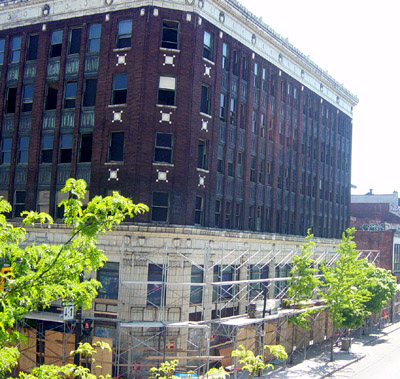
(382, 360)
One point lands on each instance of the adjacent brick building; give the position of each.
(193, 107)
(377, 220)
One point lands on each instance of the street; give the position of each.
(381, 361)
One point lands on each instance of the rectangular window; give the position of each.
(257, 272)
(47, 149)
(245, 68)
(243, 115)
(238, 216)
(228, 215)
(253, 169)
(89, 93)
(19, 203)
(160, 207)
(232, 112)
(43, 201)
(202, 152)
(156, 290)
(120, 89)
(6, 146)
(23, 149)
(205, 99)
(108, 276)
(196, 292)
(11, 97)
(74, 45)
(166, 90)
(27, 98)
(256, 76)
(264, 80)
(15, 49)
(222, 107)
(163, 148)
(218, 213)
(32, 47)
(240, 165)
(94, 36)
(85, 148)
(66, 148)
(235, 63)
(116, 147)
(70, 94)
(254, 122)
(170, 34)
(208, 45)
(199, 211)
(51, 96)
(224, 274)
(124, 34)
(225, 56)
(221, 156)
(396, 258)
(56, 43)
(2, 48)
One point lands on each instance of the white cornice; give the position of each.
(237, 22)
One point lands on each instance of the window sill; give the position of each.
(163, 164)
(206, 115)
(203, 170)
(122, 49)
(117, 105)
(166, 106)
(169, 50)
(114, 163)
(208, 61)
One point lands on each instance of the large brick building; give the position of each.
(196, 108)
(201, 111)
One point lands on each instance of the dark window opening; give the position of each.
(120, 89)
(89, 93)
(208, 44)
(66, 148)
(6, 146)
(225, 56)
(166, 90)
(51, 96)
(199, 211)
(108, 276)
(11, 99)
(160, 206)
(27, 98)
(70, 94)
(170, 34)
(196, 292)
(74, 41)
(32, 50)
(2, 47)
(19, 203)
(85, 152)
(156, 291)
(23, 149)
(202, 155)
(163, 148)
(116, 147)
(47, 149)
(124, 34)
(205, 99)
(56, 43)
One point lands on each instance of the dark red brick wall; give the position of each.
(315, 148)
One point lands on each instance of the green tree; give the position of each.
(345, 292)
(43, 273)
(255, 364)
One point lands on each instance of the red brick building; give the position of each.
(377, 220)
(195, 108)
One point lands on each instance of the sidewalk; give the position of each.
(321, 367)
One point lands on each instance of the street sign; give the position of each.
(69, 311)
